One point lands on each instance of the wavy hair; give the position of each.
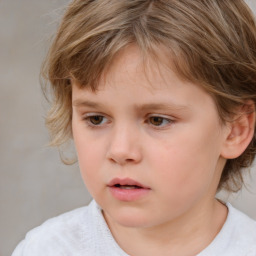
(209, 42)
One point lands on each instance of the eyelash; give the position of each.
(167, 121)
(88, 118)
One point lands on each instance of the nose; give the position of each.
(125, 146)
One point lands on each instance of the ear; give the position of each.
(240, 132)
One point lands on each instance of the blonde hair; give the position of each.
(209, 42)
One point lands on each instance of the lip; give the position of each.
(126, 181)
(127, 194)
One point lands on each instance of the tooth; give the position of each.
(128, 187)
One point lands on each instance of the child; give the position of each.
(159, 98)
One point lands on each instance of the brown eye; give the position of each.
(96, 120)
(159, 121)
(156, 120)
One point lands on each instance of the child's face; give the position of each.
(156, 130)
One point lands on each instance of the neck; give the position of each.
(186, 235)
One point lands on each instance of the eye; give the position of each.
(95, 120)
(159, 121)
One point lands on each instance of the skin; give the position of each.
(163, 132)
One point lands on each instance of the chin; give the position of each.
(130, 218)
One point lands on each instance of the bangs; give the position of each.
(211, 43)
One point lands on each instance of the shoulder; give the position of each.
(243, 231)
(244, 226)
(77, 233)
(61, 235)
(236, 238)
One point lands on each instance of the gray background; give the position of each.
(34, 184)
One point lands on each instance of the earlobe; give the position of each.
(241, 132)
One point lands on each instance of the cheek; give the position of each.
(185, 165)
(88, 158)
(89, 154)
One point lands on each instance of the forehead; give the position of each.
(153, 69)
(133, 80)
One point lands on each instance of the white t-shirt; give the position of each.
(84, 232)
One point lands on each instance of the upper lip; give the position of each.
(125, 181)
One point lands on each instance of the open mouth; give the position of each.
(127, 186)
(126, 183)
(127, 189)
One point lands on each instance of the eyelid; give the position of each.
(89, 114)
(167, 117)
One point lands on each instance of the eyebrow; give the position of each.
(142, 107)
(86, 103)
(162, 106)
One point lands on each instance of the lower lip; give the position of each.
(128, 195)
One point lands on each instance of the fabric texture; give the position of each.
(84, 232)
